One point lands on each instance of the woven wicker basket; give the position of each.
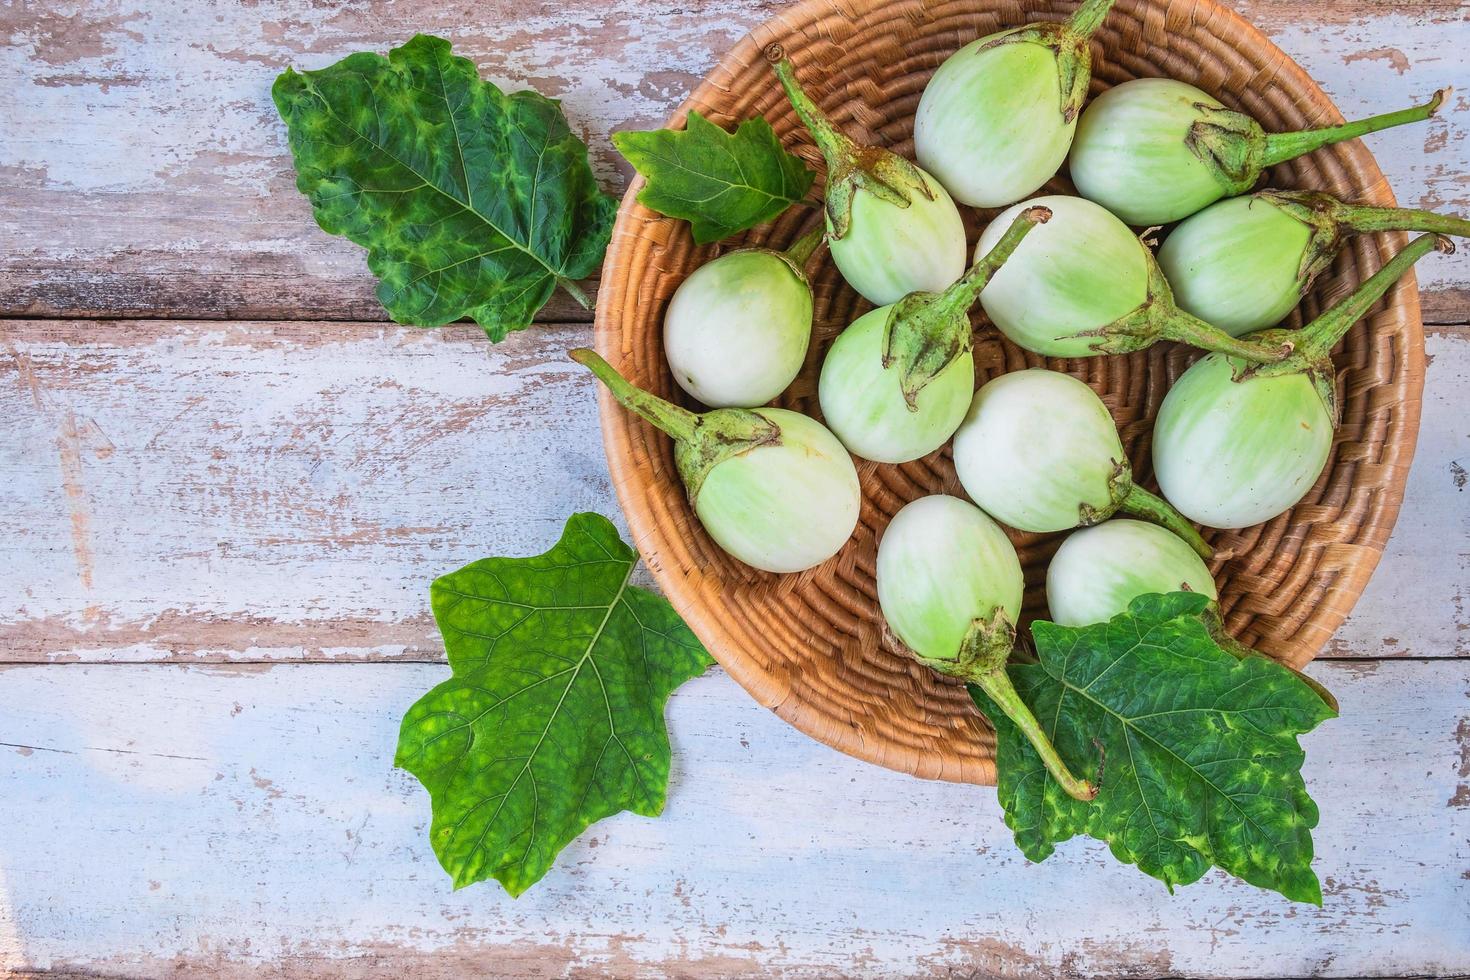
(812, 646)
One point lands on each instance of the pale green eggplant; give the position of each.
(1085, 284)
(1244, 264)
(996, 120)
(950, 587)
(892, 229)
(1099, 570)
(737, 329)
(1156, 150)
(897, 382)
(772, 487)
(1236, 444)
(1040, 451)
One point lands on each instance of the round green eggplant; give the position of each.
(1243, 264)
(892, 228)
(772, 487)
(1085, 285)
(1234, 444)
(889, 251)
(942, 565)
(1039, 451)
(996, 120)
(863, 402)
(736, 331)
(1099, 570)
(1156, 150)
(783, 506)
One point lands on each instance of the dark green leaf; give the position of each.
(1195, 750)
(554, 717)
(721, 183)
(469, 201)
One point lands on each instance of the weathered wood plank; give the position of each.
(188, 821)
(264, 491)
(144, 172)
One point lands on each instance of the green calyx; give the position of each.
(850, 167)
(1126, 496)
(1236, 149)
(1332, 220)
(925, 332)
(1071, 42)
(701, 442)
(801, 251)
(1313, 343)
(982, 660)
(1160, 318)
(1232, 144)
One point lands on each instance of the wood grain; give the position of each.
(230, 521)
(144, 170)
(232, 822)
(176, 490)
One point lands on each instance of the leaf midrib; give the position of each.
(576, 672)
(1128, 727)
(713, 179)
(466, 206)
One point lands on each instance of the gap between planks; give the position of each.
(237, 476)
(222, 665)
(1440, 309)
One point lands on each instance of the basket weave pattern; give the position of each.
(812, 646)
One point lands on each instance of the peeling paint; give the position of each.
(295, 849)
(174, 195)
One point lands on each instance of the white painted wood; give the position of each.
(279, 491)
(173, 821)
(144, 170)
(206, 483)
(285, 491)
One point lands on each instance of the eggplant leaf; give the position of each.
(721, 183)
(470, 202)
(554, 715)
(1194, 750)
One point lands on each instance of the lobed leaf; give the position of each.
(554, 715)
(1195, 750)
(469, 201)
(721, 183)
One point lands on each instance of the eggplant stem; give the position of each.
(1086, 19)
(1316, 339)
(959, 297)
(800, 252)
(978, 276)
(924, 332)
(1140, 503)
(1178, 325)
(680, 423)
(836, 146)
(981, 660)
(997, 684)
(1363, 218)
(1281, 147)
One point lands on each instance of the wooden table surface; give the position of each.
(226, 482)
